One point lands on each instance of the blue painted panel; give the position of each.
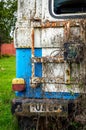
(23, 67)
(23, 63)
(54, 95)
(62, 95)
(24, 70)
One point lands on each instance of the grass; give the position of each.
(7, 73)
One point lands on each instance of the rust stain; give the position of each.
(66, 25)
(68, 72)
(67, 77)
(32, 35)
(36, 81)
(53, 24)
(33, 66)
(48, 24)
(67, 31)
(48, 59)
(67, 81)
(54, 80)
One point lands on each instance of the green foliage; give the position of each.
(8, 10)
(7, 73)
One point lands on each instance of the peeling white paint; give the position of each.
(35, 13)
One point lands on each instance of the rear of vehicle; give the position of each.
(50, 38)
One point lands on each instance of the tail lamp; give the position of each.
(18, 84)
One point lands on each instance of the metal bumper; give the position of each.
(30, 107)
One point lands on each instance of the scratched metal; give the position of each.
(53, 30)
(48, 59)
(35, 28)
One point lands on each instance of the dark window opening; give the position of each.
(69, 6)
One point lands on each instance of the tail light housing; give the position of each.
(18, 84)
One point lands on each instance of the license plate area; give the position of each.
(29, 107)
(61, 109)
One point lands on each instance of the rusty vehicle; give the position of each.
(50, 42)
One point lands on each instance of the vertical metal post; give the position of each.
(67, 66)
(67, 31)
(33, 65)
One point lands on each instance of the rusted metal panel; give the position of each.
(48, 60)
(61, 23)
(35, 14)
(50, 80)
(35, 28)
(32, 38)
(56, 84)
(26, 9)
(57, 32)
(22, 37)
(61, 88)
(51, 37)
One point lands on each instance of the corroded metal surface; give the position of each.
(48, 59)
(61, 23)
(36, 28)
(35, 14)
(49, 106)
(53, 80)
(32, 37)
(62, 62)
(24, 28)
